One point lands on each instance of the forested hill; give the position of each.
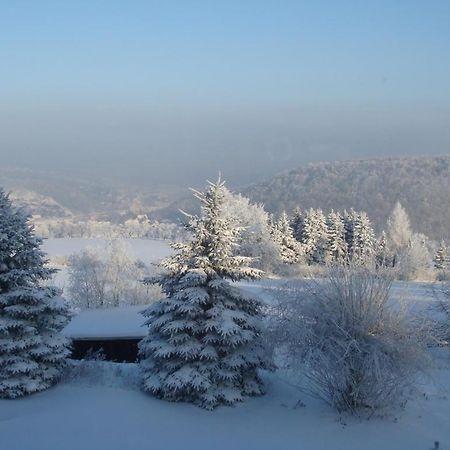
(422, 185)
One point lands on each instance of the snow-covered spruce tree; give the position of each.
(382, 257)
(203, 344)
(313, 236)
(441, 260)
(363, 245)
(336, 245)
(290, 249)
(32, 351)
(349, 218)
(297, 224)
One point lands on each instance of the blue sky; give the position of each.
(166, 80)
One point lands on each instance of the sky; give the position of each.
(175, 91)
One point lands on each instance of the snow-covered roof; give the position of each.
(124, 322)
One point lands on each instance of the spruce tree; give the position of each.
(363, 245)
(203, 344)
(290, 249)
(441, 258)
(383, 259)
(32, 350)
(312, 233)
(336, 245)
(297, 224)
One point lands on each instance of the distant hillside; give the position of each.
(422, 185)
(39, 205)
(56, 195)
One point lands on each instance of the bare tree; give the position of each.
(108, 279)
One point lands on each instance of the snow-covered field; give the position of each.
(147, 250)
(99, 405)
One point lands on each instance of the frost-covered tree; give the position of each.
(336, 245)
(290, 249)
(203, 344)
(415, 262)
(255, 238)
(441, 259)
(382, 256)
(313, 235)
(297, 224)
(363, 243)
(399, 233)
(108, 278)
(32, 350)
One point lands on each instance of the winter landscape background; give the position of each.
(224, 225)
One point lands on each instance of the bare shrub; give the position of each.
(357, 349)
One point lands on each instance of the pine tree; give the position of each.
(336, 245)
(297, 224)
(383, 259)
(32, 351)
(313, 236)
(349, 218)
(363, 244)
(203, 342)
(441, 258)
(290, 249)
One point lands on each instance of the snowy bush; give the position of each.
(354, 348)
(203, 344)
(32, 351)
(103, 280)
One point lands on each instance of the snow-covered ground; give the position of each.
(147, 250)
(101, 407)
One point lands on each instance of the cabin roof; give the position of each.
(122, 322)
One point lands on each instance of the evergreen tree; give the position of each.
(336, 245)
(441, 258)
(313, 236)
(32, 351)
(290, 248)
(297, 224)
(363, 244)
(203, 342)
(349, 218)
(383, 258)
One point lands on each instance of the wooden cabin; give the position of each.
(113, 333)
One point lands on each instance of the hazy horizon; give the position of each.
(173, 93)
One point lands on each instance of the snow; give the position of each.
(126, 322)
(123, 322)
(101, 407)
(147, 250)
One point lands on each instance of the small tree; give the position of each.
(203, 342)
(32, 350)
